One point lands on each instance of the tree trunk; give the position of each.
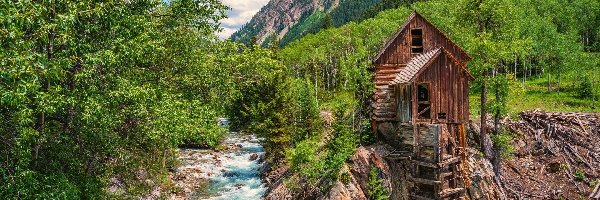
(484, 137)
(594, 92)
(40, 125)
(515, 66)
(524, 73)
(549, 85)
(558, 83)
(497, 149)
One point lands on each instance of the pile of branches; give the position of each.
(572, 139)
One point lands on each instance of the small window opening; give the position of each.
(441, 115)
(424, 105)
(417, 40)
(424, 111)
(423, 92)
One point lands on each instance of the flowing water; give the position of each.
(230, 174)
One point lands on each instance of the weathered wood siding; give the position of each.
(399, 52)
(403, 95)
(448, 90)
(384, 107)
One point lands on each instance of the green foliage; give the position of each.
(314, 159)
(498, 104)
(579, 174)
(340, 148)
(87, 93)
(304, 110)
(92, 90)
(310, 23)
(350, 10)
(33, 185)
(383, 5)
(306, 160)
(503, 141)
(336, 67)
(586, 88)
(376, 190)
(345, 177)
(313, 21)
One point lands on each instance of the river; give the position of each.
(229, 174)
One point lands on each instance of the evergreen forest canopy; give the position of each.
(92, 91)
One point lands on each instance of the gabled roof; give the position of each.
(415, 65)
(418, 63)
(412, 16)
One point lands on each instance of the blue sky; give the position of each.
(240, 13)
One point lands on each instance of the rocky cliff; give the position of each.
(391, 173)
(278, 16)
(288, 20)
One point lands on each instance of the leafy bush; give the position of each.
(304, 110)
(315, 159)
(586, 88)
(306, 160)
(113, 91)
(340, 148)
(376, 190)
(503, 141)
(345, 177)
(579, 174)
(33, 185)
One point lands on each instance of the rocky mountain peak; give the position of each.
(277, 17)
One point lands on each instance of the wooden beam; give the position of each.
(417, 197)
(450, 161)
(450, 191)
(426, 181)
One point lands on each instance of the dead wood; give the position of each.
(571, 140)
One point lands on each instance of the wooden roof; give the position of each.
(412, 16)
(415, 65)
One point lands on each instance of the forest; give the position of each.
(93, 90)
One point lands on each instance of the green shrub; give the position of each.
(304, 159)
(345, 177)
(586, 88)
(503, 141)
(340, 148)
(376, 190)
(33, 185)
(579, 174)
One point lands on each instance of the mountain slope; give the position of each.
(288, 20)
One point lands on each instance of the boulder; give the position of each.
(253, 157)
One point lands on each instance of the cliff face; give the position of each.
(392, 174)
(356, 187)
(278, 16)
(289, 20)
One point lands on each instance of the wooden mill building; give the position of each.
(421, 105)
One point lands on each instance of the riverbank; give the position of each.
(231, 173)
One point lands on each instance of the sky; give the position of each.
(241, 12)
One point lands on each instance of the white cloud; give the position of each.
(241, 12)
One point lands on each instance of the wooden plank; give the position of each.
(388, 71)
(386, 119)
(445, 174)
(426, 164)
(450, 161)
(387, 65)
(596, 193)
(450, 191)
(426, 181)
(417, 197)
